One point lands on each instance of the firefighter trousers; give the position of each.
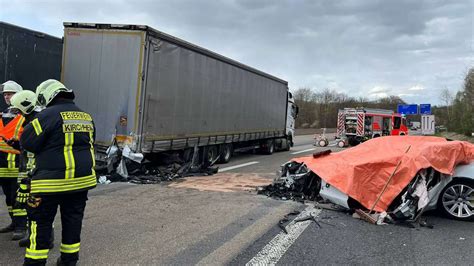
(18, 215)
(42, 210)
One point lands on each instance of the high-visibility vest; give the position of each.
(12, 130)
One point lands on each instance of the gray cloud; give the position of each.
(350, 46)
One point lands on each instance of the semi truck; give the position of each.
(355, 125)
(157, 93)
(28, 57)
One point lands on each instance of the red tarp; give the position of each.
(362, 171)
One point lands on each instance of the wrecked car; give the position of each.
(386, 179)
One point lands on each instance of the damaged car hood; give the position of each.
(363, 171)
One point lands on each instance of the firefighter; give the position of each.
(61, 137)
(25, 102)
(11, 128)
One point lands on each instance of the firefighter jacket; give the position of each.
(62, 139)
(11, 127)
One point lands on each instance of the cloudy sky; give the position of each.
(412, 49)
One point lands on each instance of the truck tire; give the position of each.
(187, 155)
(269, 147)
(211, 153)
(353, 142)
(225, 153)
(287, 144)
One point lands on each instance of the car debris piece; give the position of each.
(127, 166)
(296, 183)
(284, 222)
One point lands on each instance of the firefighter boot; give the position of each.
(59, 262)
(25, 241)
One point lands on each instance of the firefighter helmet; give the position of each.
(25, 101)
(11, 86)
(49, 89)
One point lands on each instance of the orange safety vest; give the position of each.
(12, 130)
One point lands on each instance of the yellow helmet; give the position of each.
(25, 101)
(49, 89)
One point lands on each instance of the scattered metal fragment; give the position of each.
(126, 166)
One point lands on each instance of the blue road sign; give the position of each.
(408, 109)
(425, 109)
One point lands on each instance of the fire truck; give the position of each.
(356, 125)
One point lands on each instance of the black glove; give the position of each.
(14, 143)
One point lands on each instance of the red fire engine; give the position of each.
(355, 125)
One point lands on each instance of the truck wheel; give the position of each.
(225, 153)
(287, 144)
(269, 147)
(353, 142)
(211, 153)
(187, 155)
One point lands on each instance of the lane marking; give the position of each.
(225, 169)
(277, 247)
(298, 152)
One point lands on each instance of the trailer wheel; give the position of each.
(211, 154)
(187, 155)
(269, 147)
(225, 153)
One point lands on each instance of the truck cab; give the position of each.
(291, 115)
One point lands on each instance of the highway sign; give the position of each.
(408, 109)
(425, 109)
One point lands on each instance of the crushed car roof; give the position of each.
(362, 172)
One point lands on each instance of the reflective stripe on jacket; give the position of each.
(62, 139)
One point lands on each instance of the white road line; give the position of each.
(225, 169)
(277, 247)
(298, 152)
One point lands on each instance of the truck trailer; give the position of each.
(156, 93)
(28, 57)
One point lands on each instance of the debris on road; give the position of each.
(385, 180)
(127, 166)
(224, 182)
(286, 220)
(296, 182)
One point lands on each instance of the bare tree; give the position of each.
(447, 99)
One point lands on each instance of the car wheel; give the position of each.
(457, 200)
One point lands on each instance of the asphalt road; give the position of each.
(157, 224)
